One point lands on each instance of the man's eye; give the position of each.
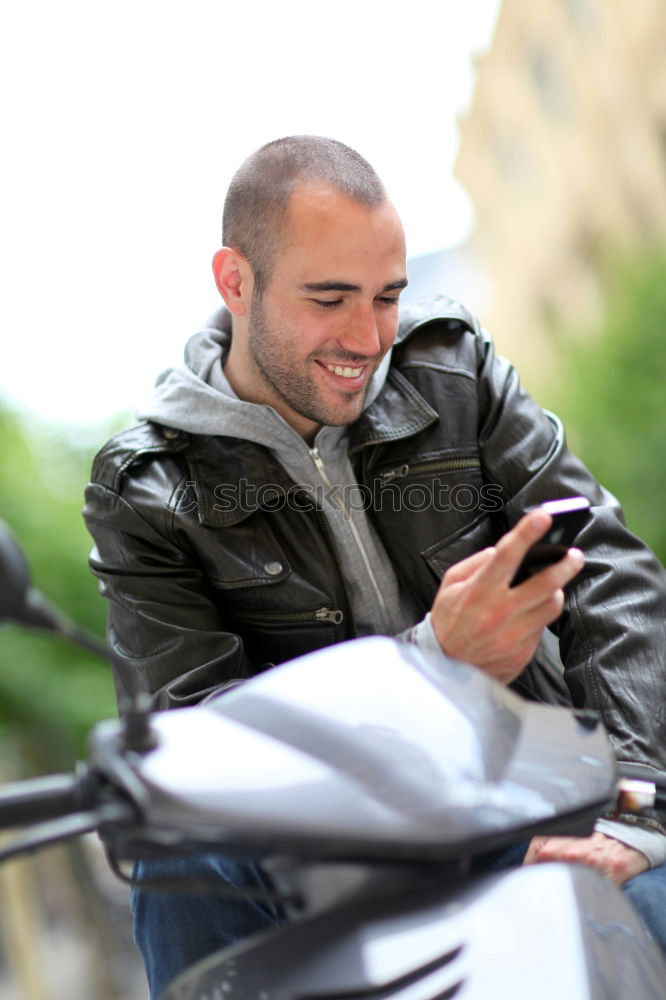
(389, 300)
(327, 303)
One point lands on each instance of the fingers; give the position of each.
(511, 550)
(551, 579)
(610, 857)
(467, 567)
(478, 617)
(512, 547)
(544, 611)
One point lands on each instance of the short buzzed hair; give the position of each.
(260, 190)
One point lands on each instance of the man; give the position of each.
(321, 469)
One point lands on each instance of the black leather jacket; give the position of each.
(202, 591)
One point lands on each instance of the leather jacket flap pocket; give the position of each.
(472, 537)
(245, 555)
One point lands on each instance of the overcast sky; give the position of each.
(122, 124)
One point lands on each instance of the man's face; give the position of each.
(330, 311)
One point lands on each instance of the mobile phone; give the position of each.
(569, 516)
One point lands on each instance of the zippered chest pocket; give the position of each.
(444, 483)
(422, 468)
(434, 509)
(323, 615)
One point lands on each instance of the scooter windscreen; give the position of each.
(373, 748)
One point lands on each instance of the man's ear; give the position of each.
(234, 280)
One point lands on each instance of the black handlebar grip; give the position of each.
(34, 800)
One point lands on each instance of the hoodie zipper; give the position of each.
(321, 468)
(419, 469)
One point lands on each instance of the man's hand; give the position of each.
(611, 857)
(478, 617)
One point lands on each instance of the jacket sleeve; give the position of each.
(613, 629)
(165, 633)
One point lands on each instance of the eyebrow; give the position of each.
(344, 286)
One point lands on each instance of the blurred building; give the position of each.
(454, 272)
(563, 152)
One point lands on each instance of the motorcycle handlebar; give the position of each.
(68, 804)
(57, 808)
(35, 800)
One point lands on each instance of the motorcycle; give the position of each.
(374, 783)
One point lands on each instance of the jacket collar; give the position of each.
(399, 410)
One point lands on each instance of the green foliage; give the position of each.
(51, 692)
(611, 393)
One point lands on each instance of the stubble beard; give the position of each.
(271, 354)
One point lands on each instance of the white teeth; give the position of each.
(346, 372)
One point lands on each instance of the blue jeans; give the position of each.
(174, 930)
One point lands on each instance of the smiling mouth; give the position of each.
(344, 370)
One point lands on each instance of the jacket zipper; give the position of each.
(290, 617)
(321, 468)
(444, 465)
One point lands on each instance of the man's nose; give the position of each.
(361, 336)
